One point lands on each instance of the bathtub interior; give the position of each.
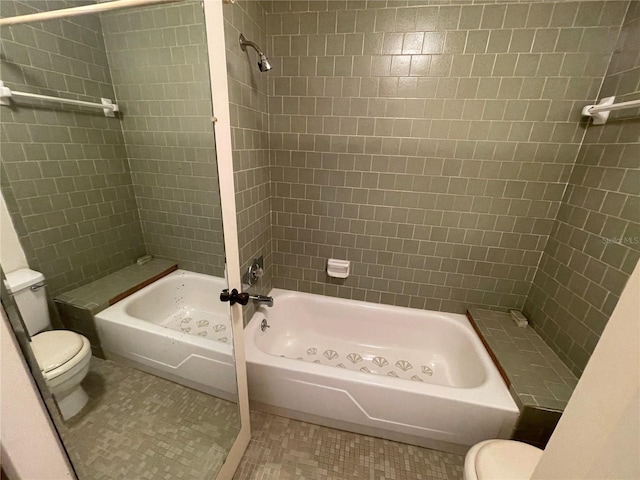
(360, 337)
(185, 302)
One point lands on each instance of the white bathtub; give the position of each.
(415, 376)
(175, 328)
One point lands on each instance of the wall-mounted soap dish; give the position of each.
(338, 268)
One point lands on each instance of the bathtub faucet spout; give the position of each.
(243, 298)
(262, 300)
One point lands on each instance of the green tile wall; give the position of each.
(64, 170)
(430, 143)
(250, 139)
(159, 65)
(595, 241)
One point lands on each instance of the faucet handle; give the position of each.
(258, 272)
(254, 272)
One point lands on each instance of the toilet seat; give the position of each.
(58, 351)
(501, 460)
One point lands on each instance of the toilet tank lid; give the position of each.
(23, 278)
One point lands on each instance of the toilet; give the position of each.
(63, 356)
(501, 460)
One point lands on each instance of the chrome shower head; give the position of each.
(263, 62)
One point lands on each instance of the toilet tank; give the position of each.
(27, 287)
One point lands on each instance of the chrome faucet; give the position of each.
(262, 300)
(243, 298)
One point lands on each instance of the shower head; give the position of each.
(263, 62)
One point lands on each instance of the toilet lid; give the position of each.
(55, 348)
(507, 460)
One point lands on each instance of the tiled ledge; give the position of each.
(106, 291)
(536, 375)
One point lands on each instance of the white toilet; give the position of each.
(63, 356)
(501, 460)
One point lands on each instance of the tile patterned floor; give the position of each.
(285, 449)
(139, 426)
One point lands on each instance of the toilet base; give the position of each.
(71, 404)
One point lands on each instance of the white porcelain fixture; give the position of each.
(410, 375)
(501, 460)
(175, 328)
(63, 356)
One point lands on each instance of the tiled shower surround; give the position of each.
(430, 145)
(595, 241)
(90, 194)
(433, 144)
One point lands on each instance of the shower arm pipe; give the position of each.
(83, 10)
(244, 43)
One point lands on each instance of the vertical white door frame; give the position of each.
(214, 22)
